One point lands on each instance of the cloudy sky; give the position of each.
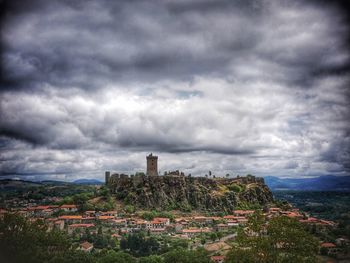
(236, 87)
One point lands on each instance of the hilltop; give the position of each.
(187, 193)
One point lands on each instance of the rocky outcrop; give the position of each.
(186, 193)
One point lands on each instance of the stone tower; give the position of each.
(107, 176)
(152, 165)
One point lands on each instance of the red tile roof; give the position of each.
(328, 245)
(217, 258)
(105, 217)
(70, 217)
(86, 245)
(68, 206)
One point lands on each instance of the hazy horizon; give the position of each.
(237, 87)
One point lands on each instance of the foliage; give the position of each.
(73, 256)
(25, 241)
(139, 245)
(151, 259)
(186, 256)
(179, 243)
(149, 215)
(116, 257)
(282, 240)
(235, 188)
(243, 205)
(129, 209)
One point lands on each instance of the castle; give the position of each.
(152, 165)
(152, 170)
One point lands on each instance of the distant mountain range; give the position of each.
(321, 183)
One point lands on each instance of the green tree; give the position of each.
(29, 242)
(282, 240)
(116, 257)
(213, 236)
(151, 259)
(187, 256)
(129, 209)
(71, 256)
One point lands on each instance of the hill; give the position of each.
(88, 182)
(321, 183)
(187, 193)
(10, 184)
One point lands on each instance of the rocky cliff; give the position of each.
(186, 193)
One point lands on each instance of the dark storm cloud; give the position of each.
(58, 43)
(253, 86)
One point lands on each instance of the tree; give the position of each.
(129, 209)
(116, 257)
(213, 236)
(73, 257)
(151, 259)
(29, 242)
(290, 241)
(282, 240)
(186, 256)
(219, 235)
(139, 245)
(179, 243)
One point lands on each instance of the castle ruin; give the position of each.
(152, 165)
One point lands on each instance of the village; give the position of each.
(213, 233)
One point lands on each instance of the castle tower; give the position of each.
(107, 176)
(152, 165)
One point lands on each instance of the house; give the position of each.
(59, 224)
(40, 211)
(274, 210)
(157, 231)
(222, 227)
(229, 217)
(117, 236)
(232, 222)
(342, 241)
(73, 227)
(71, 219)
(190, 232)
(165, 220)
(178, 228)
(106, 219)
(2, 213)
(120, 222)
(158, 222)
(86, 246)
(141, 224)
(329, 248)
(243, 212)
(310, 220)
(69, 208)
(90, 213)
(217, 259)
(110, 213)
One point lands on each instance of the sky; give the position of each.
(232, 87)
